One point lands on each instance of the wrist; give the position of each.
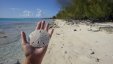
(32, 60)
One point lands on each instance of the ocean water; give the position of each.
(21, 20)
(10, 40)
(14, 23)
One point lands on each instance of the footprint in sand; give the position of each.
(65, 52)
(97, 59)
(92, 52)
(62, 47)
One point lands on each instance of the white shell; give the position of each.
(39, 38)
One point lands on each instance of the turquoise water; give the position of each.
(18, 19)
(21, 20)
(16, 23)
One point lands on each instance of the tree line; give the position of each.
(86, 9)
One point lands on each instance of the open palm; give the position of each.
(35, 53)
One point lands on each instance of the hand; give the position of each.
(35, 55)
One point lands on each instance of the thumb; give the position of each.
(23, 37)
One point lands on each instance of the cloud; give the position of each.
(27, 13)
(35, 13)
(39, 13)
(14, 9)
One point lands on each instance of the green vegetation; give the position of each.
(86, 9)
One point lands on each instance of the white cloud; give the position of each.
(39, 13)
(14, 9)
(27, 13)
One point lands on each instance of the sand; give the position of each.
(74, 44)
(70, 44)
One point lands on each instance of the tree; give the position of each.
(79, 9)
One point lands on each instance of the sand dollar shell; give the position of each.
(39, 38)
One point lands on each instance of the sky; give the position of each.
(28, 8)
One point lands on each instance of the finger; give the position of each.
(23, 37)
(42, 24)
(38, 26)
(47, 27)
(51, 32)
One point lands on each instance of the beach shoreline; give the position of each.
(71, 43)
(80, 44)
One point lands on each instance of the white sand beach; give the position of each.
(80, 46)
(70, 44)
